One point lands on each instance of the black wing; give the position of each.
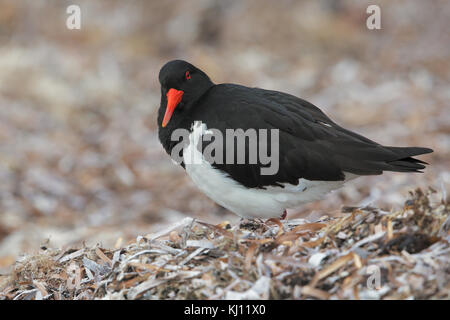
(311, 145)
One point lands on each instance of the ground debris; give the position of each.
(360, 254)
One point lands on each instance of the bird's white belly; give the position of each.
(249, 202)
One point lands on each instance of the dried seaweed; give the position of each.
(361, 254)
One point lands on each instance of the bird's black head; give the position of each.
(182, 85)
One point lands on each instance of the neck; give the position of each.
(180, 118)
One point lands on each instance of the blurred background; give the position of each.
(80, 161)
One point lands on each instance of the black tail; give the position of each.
(405, 162)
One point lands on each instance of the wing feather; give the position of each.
(311, 145)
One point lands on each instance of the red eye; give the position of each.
(188, 75)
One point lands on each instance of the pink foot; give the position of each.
(283, 216)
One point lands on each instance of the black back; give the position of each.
(311, 145)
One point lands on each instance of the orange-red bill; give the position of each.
(173, 99)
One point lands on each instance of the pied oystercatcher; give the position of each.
(315, 155)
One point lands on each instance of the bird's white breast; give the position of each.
(248, 202)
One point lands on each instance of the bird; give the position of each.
(315, 154)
